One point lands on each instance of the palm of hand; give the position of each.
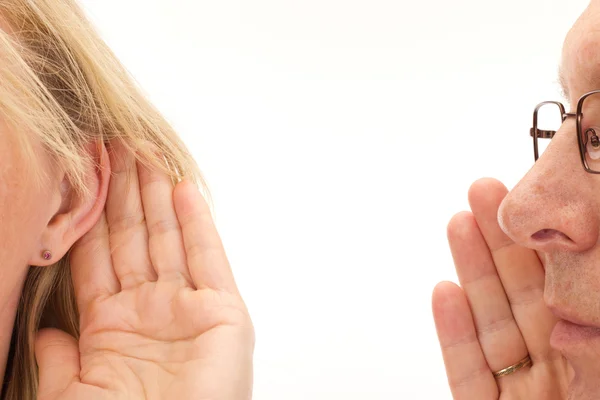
(163, 336)
(160, 314)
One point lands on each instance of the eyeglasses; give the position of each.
(547, 121)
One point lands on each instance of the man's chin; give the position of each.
(580, 345)
(583, 389)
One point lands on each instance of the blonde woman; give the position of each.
(114, 283)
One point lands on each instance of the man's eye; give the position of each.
(592, 143)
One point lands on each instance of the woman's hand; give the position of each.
(498, 315)
(161, 317)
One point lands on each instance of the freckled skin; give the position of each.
(557, 195)
(24, 212)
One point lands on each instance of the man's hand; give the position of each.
(498, 315)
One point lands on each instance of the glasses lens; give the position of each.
(549, 120)
(590, 131)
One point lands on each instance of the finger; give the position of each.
(519, 269)
(468, 374)
(126, 223)
(91, 266)
(57, 355)
(498, 333)
(206, 257)
(165, 239)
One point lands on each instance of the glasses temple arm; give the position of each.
(542, 134)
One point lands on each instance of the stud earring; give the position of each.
(46, 255)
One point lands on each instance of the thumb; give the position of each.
(57, 355)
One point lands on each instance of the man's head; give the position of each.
(555, 210)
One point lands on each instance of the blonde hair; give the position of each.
(62, 86)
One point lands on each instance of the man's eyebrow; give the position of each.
(563, 82)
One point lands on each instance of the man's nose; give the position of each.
(555, 206)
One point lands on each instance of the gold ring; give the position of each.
(513, 368)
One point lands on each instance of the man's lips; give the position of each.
(569, 317)
(571, 330)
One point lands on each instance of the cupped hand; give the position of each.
(497, 316)
(161, 317)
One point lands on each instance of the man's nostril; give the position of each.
(549, 234)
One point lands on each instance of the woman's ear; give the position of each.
(75, 214)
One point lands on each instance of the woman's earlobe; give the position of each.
(44, 258)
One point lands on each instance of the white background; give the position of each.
(338, 138)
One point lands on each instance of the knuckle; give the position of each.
(195, 217)
(525, 295)
(162, 227)
(460, 341)
(496, 325)
(467, 379)
(126, 222)
(195, 250)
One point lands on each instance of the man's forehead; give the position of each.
(579, 70)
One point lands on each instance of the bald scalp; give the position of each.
(579, 71)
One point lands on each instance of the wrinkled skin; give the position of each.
(527, 259)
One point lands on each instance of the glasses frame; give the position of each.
(545, 134)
